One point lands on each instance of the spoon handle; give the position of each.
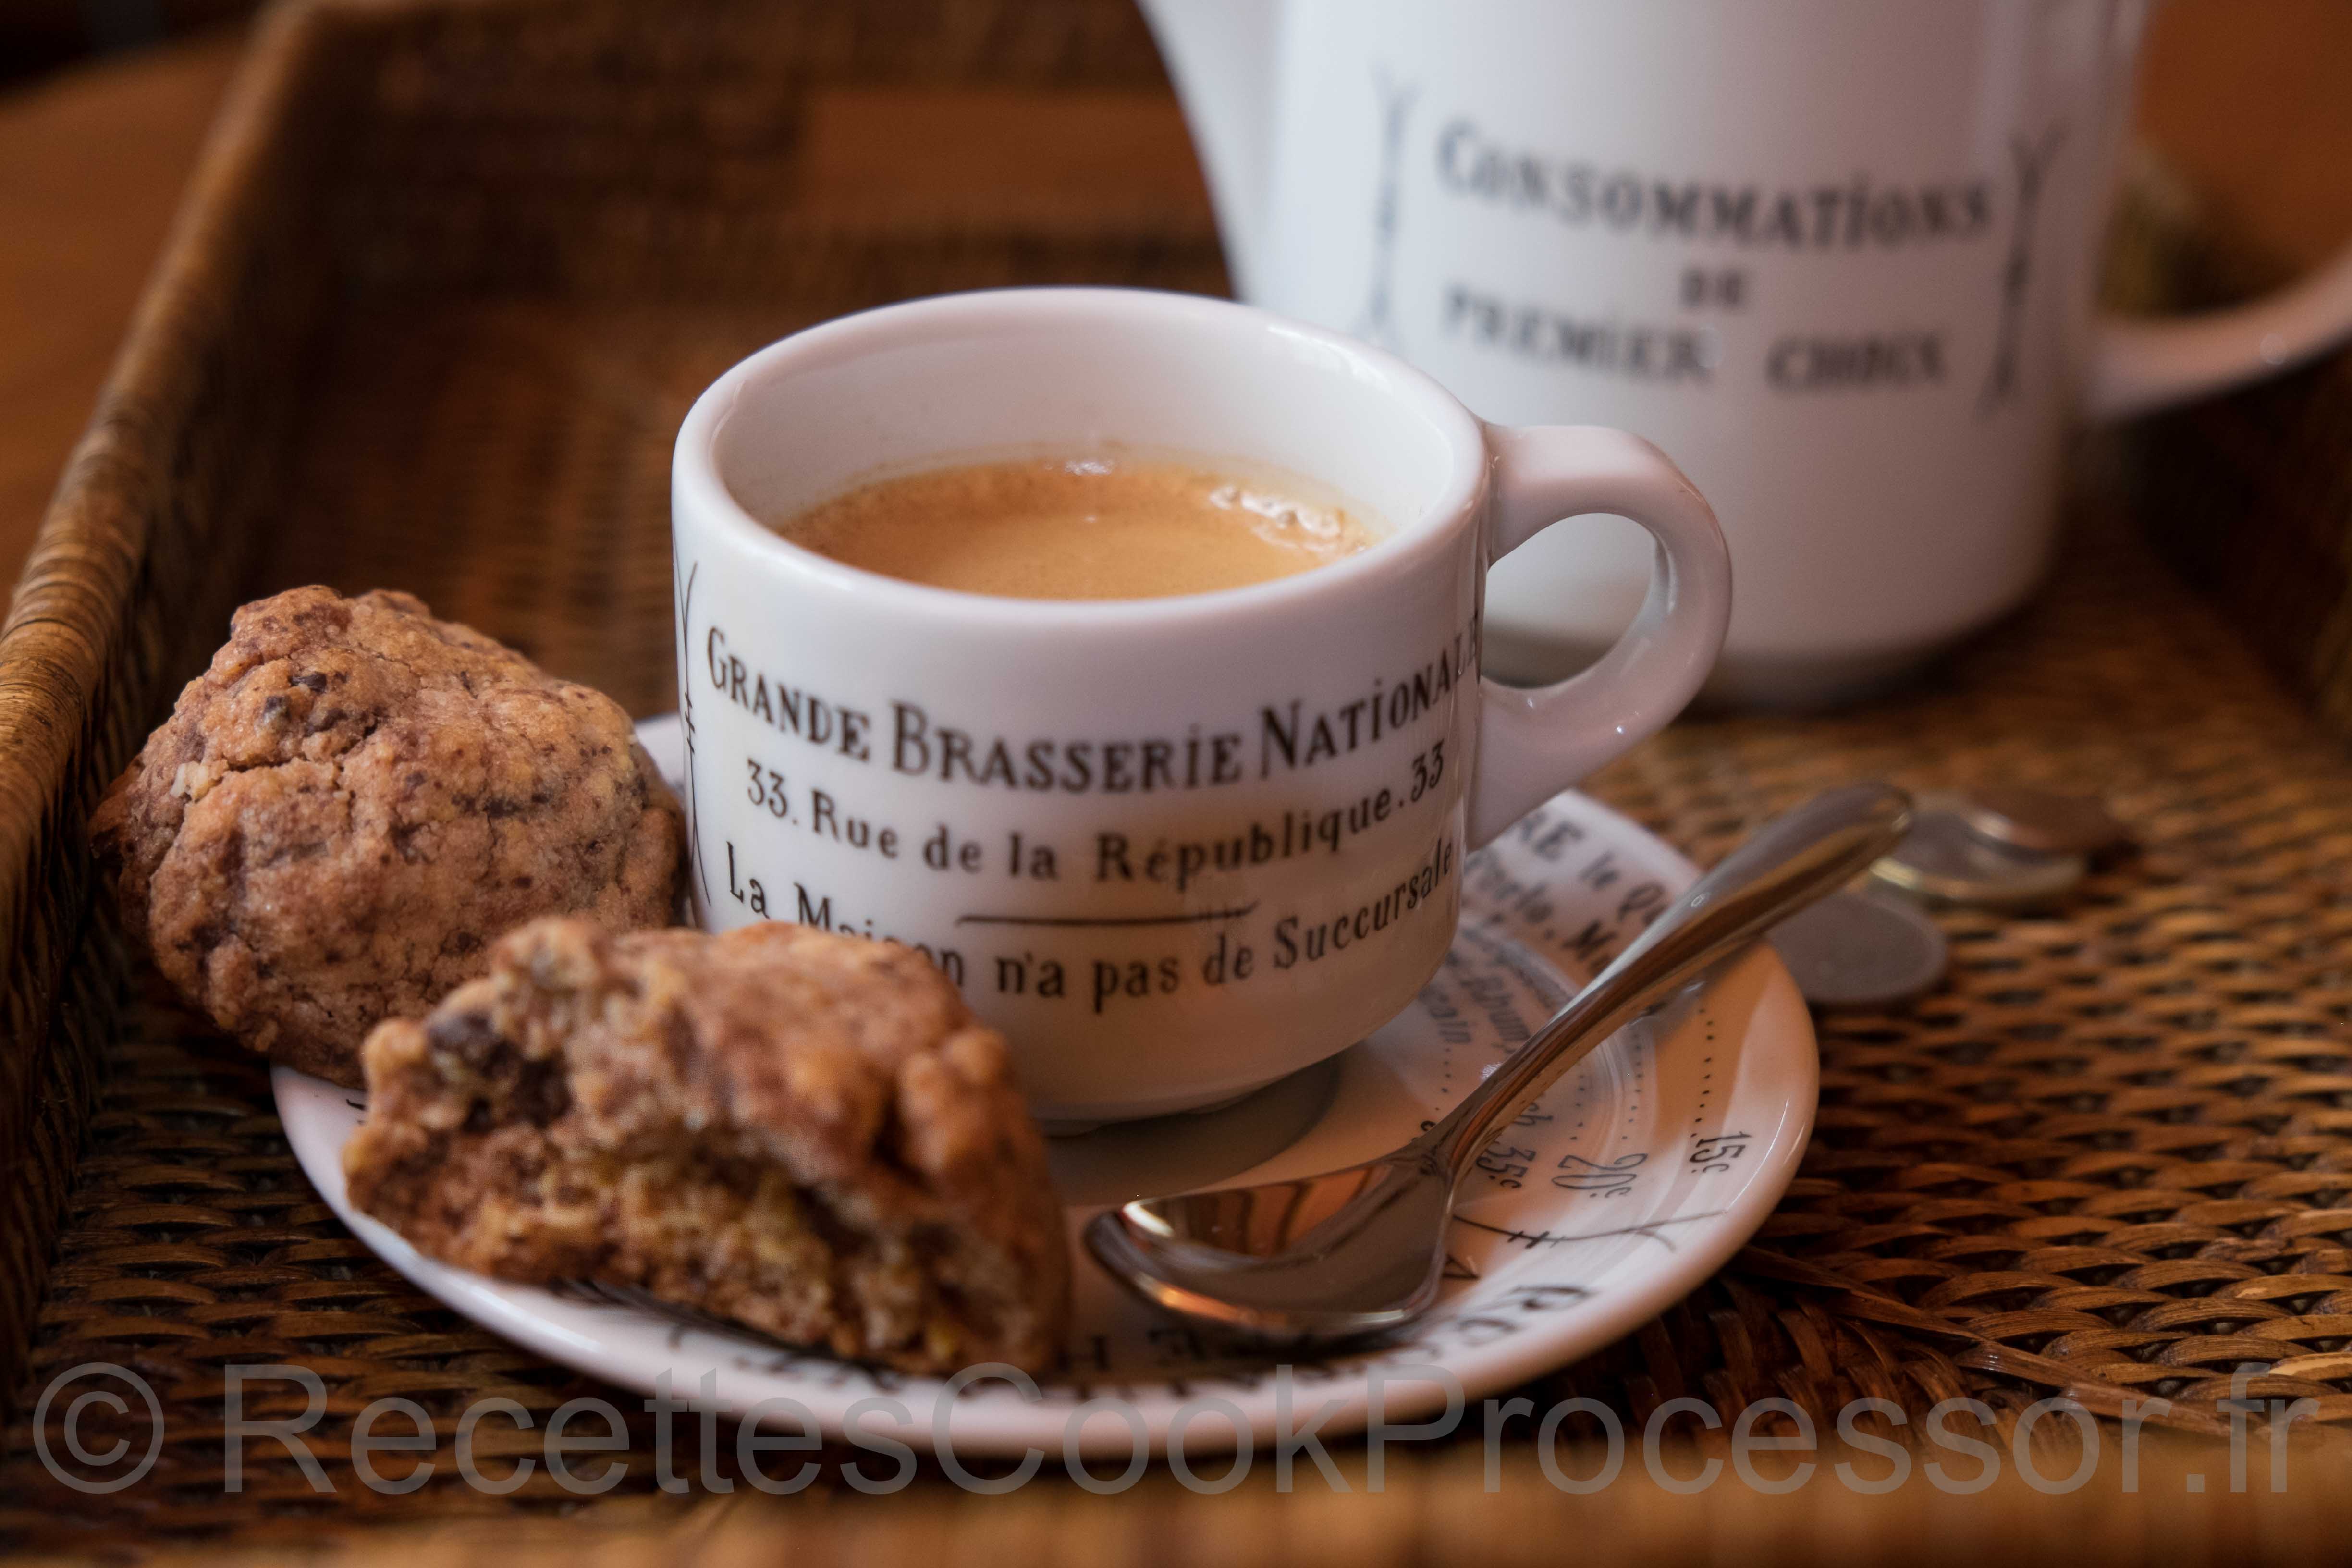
(1797, 858)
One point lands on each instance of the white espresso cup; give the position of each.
(1174, 849)
(1839, 258)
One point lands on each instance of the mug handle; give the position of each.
(2139, 366)
(1533, 744)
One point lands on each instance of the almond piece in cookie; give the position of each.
(805, 1132)
(353, 800)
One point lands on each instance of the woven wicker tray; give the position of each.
(451, 275)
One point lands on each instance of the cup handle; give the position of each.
(2139, 366)
(1533, 744)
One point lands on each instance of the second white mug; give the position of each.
(1836, 257)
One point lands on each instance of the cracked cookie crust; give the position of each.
(802, 1131)
(354, 800)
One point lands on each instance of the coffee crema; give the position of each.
(1089, 527)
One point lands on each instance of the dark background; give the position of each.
(103, 105)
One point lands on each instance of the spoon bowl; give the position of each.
(1323, 1258)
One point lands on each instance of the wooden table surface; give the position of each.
(2248, 97)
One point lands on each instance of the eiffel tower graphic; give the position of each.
(1377, 324)
(2031, 159)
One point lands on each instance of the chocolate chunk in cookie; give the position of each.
(354, 800)
(805, 1132)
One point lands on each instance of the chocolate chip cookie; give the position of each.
(354, 800)
(805, 1133)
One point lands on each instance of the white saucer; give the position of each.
(1637, 1178)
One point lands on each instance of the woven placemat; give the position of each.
(2112, 1157)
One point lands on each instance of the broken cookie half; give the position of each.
(804, 1132)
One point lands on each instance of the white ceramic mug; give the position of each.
(1836, 257)
(1174, 849)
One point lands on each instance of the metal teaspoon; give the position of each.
(1360, 1250)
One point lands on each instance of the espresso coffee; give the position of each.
(1090, 527)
